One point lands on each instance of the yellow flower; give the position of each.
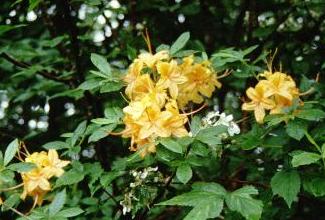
(36, 182)
(36, 185)
(1, 201)
(170, 77)
(280, 104)
(151, 123)
(201, 82)
(40, 159)
(150, 60)
(145, 146)
(54, 168)
(130, 78)
(145, 121)
(279, 84)
(174, 122)
(259, 102)
(145, 87)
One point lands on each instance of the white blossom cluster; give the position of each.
(216, 118)
(140, 178)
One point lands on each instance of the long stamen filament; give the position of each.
(195, 111)
(116, 133)
(12, 188)
(16, 211)
(307, 92)
(226, 73)
(123, 96)
(34, 205)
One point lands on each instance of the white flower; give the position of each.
(144, 174)
(152, 169)
(233, 129)
(215, 119)
(126, 203)
(224, 120)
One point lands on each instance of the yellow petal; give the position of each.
(163, 69)
(259, 113)
(251, 93)
(248, 106)
(173, 90)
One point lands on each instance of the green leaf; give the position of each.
(296, 129)
(214, 188)
(22, 167)
(206, 210)
(304, 158)
(1, 159)
(111, 87)
(54, 42)
(165, 155)
(100, 74)
(242, 202)
(311, 114)
(311, 140)
(195, 125)
(184, 173)
(286, 184)
(70, 212)
(162, 47)
(57, 203)
(101, 63)
(205, 198)
(190, 199)
(103, 121)
(11, 201)
(101, 133)
(171, 145)
(89, 84)
(33, 4)
(6, 28)
(69, 178)
(200, 149)
(106, 179)
(11, 151)
(80, 130)
(180, 43)
(114, 113)
(210, 135)
(323, 151)
(57, 145)
(315, 186)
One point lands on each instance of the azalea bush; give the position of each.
(162, 110)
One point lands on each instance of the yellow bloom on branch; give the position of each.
(259, 102)
(280, 84)
(201, 82)
(36, 182)
(170, 77)
(132, 75)
(55, 165)
(150, 60)
(157, 86)
(275, 92)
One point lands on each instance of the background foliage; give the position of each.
(50, 97)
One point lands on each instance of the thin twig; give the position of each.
(44, 73)
(112, 197)
(16, 211)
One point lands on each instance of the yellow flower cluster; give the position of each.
(274, 92)
(158, 86)
(36, 181)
